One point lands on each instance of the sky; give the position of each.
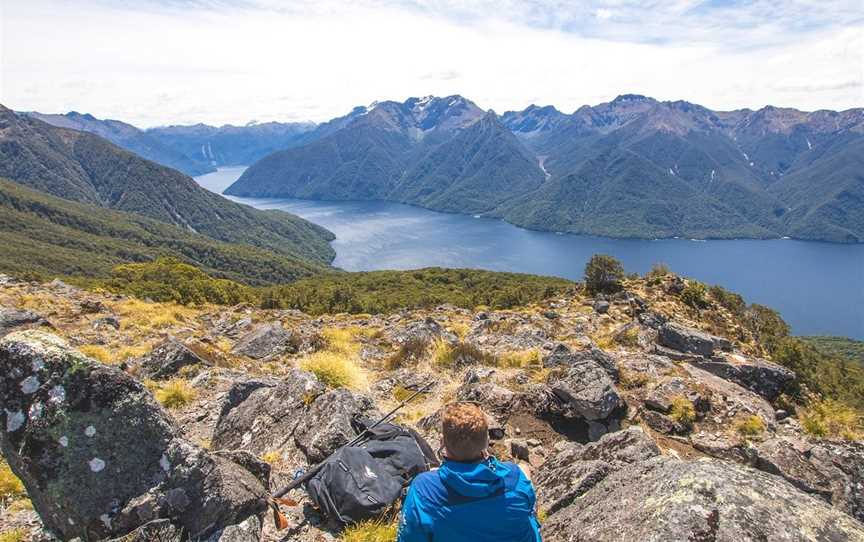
(159, 62)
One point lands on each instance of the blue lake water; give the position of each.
(817, 287)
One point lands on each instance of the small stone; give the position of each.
(36, 410)
(64, 441)
(29, 385)
(90, 431)
(57, 394)
(14, 421)
(96, 464)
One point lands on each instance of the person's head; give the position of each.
(466, 432)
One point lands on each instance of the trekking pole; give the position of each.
(314, 470)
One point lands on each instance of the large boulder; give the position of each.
(167, 358)
(665, 499)
(14, 318)
(833, 471)
(562, 356)
(97, 454)
(763, 377)
(296, 413)
(692, 341)
(265, 341)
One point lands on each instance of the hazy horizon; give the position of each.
(159, 62)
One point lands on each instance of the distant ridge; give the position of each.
(631, 167)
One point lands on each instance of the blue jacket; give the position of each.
(470, 502)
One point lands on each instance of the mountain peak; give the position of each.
(625, 98)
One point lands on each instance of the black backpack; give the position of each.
(361, 482)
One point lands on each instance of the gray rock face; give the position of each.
(586, 389)
(99, 457)
(492, 397)
(601, 306)
(665, 499)
(296, 413)
(763, 377)
(691, 341)
(833, 471)
(661, 396)
(14, 318)
(167, 358)
(562, 356)
(266, 340)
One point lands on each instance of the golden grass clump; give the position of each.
(342, 340)
(334, 369)
(106, 355)
(832, 419)
(451, 356)
(14, 535)
(10, 486)
(371, 531)
(516, 360)
(411, 351)
(751, 426)
(631, 380)
(144, 316)
(682, 410)
(175, 393)
(97, 352)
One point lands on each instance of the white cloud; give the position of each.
(604, 13)
(212, 61)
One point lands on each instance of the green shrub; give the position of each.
(732, 302)
(831, 419)
(378, 292)
(169, 279)
(682, 410)
(693, 295)
(603, 273)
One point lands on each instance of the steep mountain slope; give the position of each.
(82, 167)
(441, 153)
(130, 138)
(232, 145)
(53, 236)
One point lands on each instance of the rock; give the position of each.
(265, 341)
(551, 315)
(833, 471)
(562, 356)
(691, 341)
(159, 530)
(296, 413)
(491, 397)
(91, 306)
(99, 457)
(425, 330)
(167, 358)
(259, 415)
(576, 468)
(14, 318)
(763, 377)
(601, 306)
(109, 321)
(662, 423)
(586, 388)
(327, 424)
(722, 446)
(652, 319)
(247, 531)
(519, 449)
(661, 396)
(475, 375)
(727, 396)
(706, 500)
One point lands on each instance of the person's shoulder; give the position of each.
(428, 484)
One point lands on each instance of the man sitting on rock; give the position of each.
(473, 497)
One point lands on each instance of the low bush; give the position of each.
(603, 273)
(658, 271)
(693, 295)
(175, 393)
(831, 419)
(682, 410)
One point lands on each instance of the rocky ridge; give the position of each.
(585, 393)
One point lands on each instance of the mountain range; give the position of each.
(89, 170)
(632, 167)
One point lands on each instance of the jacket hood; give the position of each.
(474, 479)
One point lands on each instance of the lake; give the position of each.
(817, 287)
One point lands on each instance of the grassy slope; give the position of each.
(52, 236)
(840, 347)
